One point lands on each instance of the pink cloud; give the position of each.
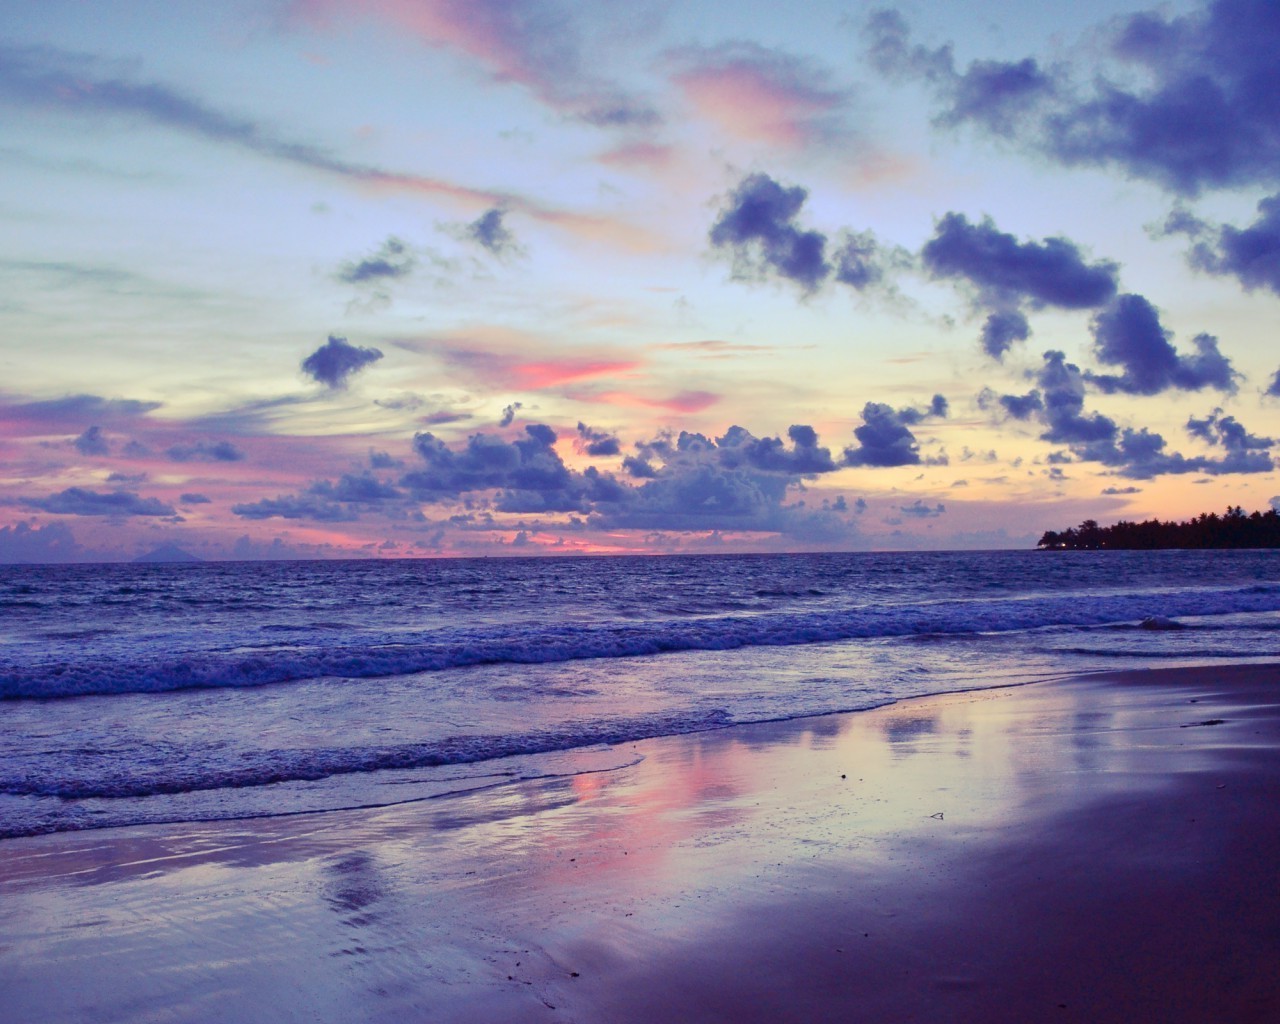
(498, 360)
(532, 43)
(760, 95)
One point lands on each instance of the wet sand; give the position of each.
(1100, 849)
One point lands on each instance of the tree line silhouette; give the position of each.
(1234, 529)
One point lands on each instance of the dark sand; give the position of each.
(1088, 850)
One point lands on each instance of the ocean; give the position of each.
(164, 693)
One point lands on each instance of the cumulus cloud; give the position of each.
(392, 260)
(885, 438)
(1057, 403)
(334, 362)
(92, 442)
(1007, 275)
(758, 228)
(1252, 254)
(598, 442)
(79, 501)
(26, 543)
(528, 472)
(205, 451)
(1187, 101)
(1128, 334)
(1227, 431)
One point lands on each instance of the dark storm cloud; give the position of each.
(1250, 254)
(885, 438)
(78, 501)
(598, 442)
(334, 362)
(489, 232)
(758, 228)
(1199, 113)
(392, 260)
(91, 442)
(1128, 334)
(205, 451)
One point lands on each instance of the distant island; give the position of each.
(1234, 529)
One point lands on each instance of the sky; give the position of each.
(408, 278)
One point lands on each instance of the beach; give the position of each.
(1100, 848)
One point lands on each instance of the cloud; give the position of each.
(204, 451)
(1252, 254)
(598, 442)
(509, 414)
(192, 498)
(26, 543)
(528, 471)
(363, 488)
(334, 362)
(862, 261)
(392, 260)
(919, 510)
(92, 442)
(761, 95)
(537, 44)
(1226, 431)
(1007, 274)
(293, 506)
(885, 438)
(1187, 102)
(78, 501)
(1058, 403)
(76, 409)
(757, 226)
(50, 79)
(490, 233)
(1128, 334)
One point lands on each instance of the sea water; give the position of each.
(152, 693)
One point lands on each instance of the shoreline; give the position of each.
(1090, 848)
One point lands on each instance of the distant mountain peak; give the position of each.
(168, 553)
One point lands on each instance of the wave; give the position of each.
(77, 774)
(157, 664)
